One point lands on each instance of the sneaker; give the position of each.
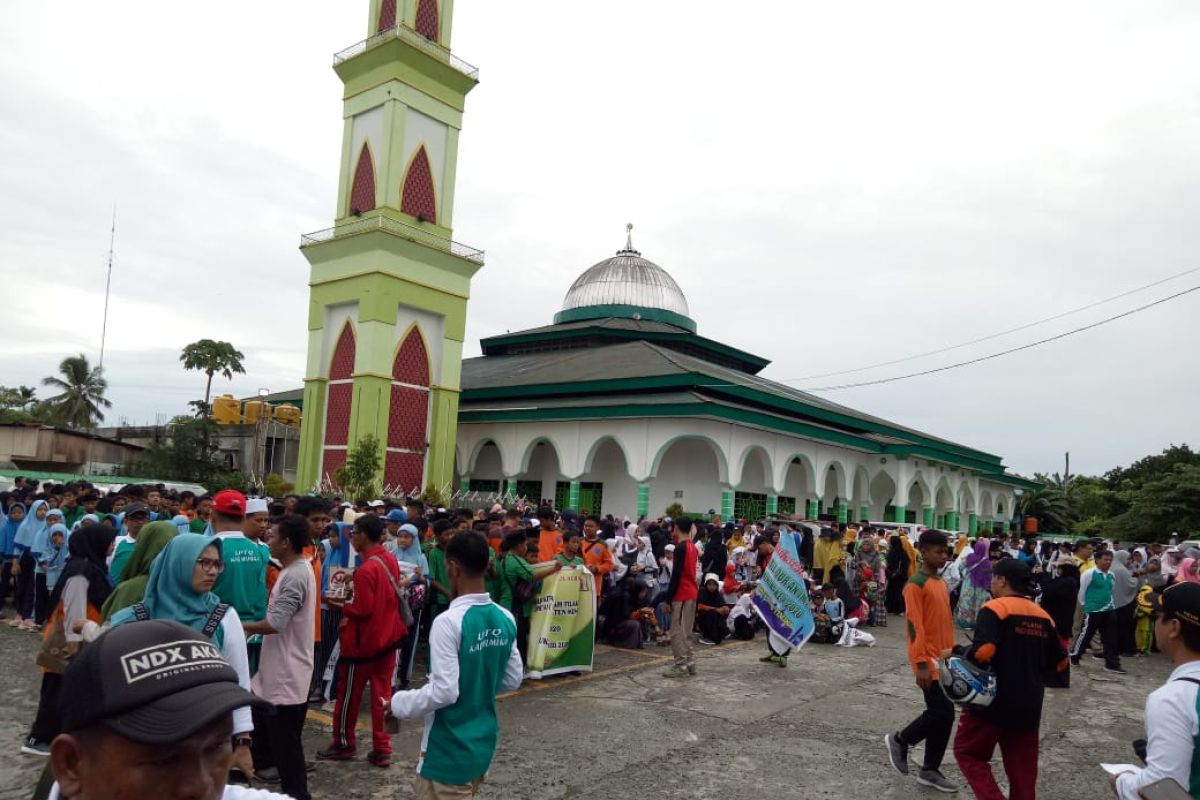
(336, 752)
(675, 672)
(377, 759)
(1098, 656)
(328, 706)
(33, 747)
(931, 777)
(1074, 662)
(768, 659)
(781, 662)
(1115, 670)
(897, 753)
(706, 641)
(267, 774)
(691, 668)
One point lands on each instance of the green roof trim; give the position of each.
(631, 312)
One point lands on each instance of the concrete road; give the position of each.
(738, 729)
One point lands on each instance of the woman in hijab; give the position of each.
(42, 553)
(897, 575)
(851, 602)
(711, 611)
(1125, 587)
(8, 554)
(868, 557)
(181, 523)
(1153, 576)
(81, 591)
(736, 540)
(975, 586)
(180, 589)
(715, 555)
(136, 574)
(25, 567)
(1188, 571)
(407, 551)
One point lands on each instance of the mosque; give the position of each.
(620, 406)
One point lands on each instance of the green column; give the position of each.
(898, 514)
(772, 504)
(510, 488)
(727, 505)
(573, 496)
(864, 512)
(972, 524)
(811, 511)
(643, 503)
(843, 513)
(939, 521)
(952, 520)
(464, 485)
(927, 516)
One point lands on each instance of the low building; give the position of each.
(43, 448)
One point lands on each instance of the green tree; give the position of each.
(211, 357)
(81, 393)
(1049, 504)
(357, 478)
(674, 511)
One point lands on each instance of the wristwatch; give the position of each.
(242, 741)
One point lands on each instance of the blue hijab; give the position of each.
(169, 593)
(41, 542)
(182, 523)
(412, 554)
(8, 533)
(30, 528)
(336, 555)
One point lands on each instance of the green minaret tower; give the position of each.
(389, 286)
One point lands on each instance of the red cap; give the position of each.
(229, 502)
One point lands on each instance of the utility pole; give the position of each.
(1067, 471)
(112, 238)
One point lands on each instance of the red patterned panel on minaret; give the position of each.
(387, 15)
(417, 197)
(333, 459)
(342, 366)
(412, 361)
(427, 19)
(408, 418)
(404, 471)
(337, 415)
(362, 195)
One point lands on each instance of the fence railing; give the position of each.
(406, 33)
(401, 229)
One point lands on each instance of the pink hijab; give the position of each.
(1187, 570)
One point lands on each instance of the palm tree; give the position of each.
(81, 393)
(1049, 504)
(210, 358)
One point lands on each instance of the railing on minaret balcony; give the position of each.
(406, 33)
(401, 229)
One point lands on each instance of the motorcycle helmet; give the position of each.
(966, 684)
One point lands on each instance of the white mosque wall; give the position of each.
(694, 461)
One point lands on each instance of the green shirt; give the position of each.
(198, 525)
(567, 562)
(243, 583)
(437, 572)
(121, 554)
(513, 570)
(472, 649)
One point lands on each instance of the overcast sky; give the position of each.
(831, 184)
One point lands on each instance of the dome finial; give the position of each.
(628, 240)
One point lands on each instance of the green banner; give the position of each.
(562, 630)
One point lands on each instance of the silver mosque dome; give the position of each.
(626, 285)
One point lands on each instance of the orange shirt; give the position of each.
(549, 545)
(596, 554)
(930, 621)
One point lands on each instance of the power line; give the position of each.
(1004, 352)
(1001, 333)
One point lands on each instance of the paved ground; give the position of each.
(738, 729)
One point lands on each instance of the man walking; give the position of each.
(287, 658)
(682, 594)
(243, 582)
(474, 654)
(1019, 642)
(930, 633)
(371, 631)
(1099, 613)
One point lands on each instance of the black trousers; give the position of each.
(1125, 639)
(48, 722)
(523, 638)
(41, 598)
(330, 621)
(278, 743)
(712, 626)
(408, 649)
(24, 599)
(932, 727)
(1104, 623)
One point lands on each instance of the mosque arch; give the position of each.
(689, 470)
(408, 414)
(362, 193)
(428, 20)
(477, 454)
(943, 497)
(883, 494)
(834, 485)
(387, 16)
(797, 471)
(718, 453)
(761, 472)
(589, 460)
(418, 196)
(338, 401)
(609, 485)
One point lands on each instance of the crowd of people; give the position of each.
(314, 600)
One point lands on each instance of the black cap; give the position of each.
(1181, 601)
(1014, 571)
(137, 508)
(153, 682)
